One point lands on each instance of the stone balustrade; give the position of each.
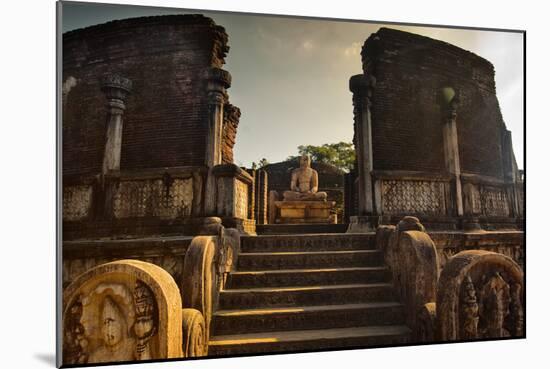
(452, 286)
(486, 203)
(155, 201)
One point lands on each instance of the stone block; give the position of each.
(305, 211)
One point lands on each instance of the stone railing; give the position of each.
(77, 198)
(471, 294)
(487, 197)
(413, 193)
(156, 201)
(164, 193)
(195, 269)
(442, 201)
(208, 262)
(412, 258)
(81, 255)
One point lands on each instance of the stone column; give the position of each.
(361, 86)
(261, 197)
(116, 89)
(218, 80)
(450, 144)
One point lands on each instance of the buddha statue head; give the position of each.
(305, 161)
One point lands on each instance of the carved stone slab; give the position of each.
(480, 294)
(126, 310)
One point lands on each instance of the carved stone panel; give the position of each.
(480, 295)
(494, 201)
(157, 198)
(472, 199)
(122, 311)
(77, 202)
(241, 199)
(413, 197)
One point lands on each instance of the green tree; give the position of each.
(341, 154)
(262, 163)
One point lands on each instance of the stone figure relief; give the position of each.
(470, 310)
(74, 340)
(494, 306)
(145, 326)
(304, 183)
(490, 307)
(111, 323)
(515, 325)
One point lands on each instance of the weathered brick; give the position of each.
(166, 115)
(410, 71)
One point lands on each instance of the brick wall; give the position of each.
(166, 114)
(230, 123)
(410, 70)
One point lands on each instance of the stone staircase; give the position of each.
(307, 292)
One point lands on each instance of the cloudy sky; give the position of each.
(290, 75)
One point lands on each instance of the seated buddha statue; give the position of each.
(304, 183)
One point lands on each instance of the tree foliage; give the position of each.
(341, 154)
(262, 163)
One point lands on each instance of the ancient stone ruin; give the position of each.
(430, 139)
(168, 143)
(169, 250)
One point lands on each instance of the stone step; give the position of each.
(308, 277)
(308, 260)
(323, 339)
(300, 228)
(233, 299)
(312, 242)
(307, 317)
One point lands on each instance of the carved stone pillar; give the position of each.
(261, 196)
(218, 80)
(450, 143)
(116, 89)
(361, 86)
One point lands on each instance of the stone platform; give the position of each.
(305, 212)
